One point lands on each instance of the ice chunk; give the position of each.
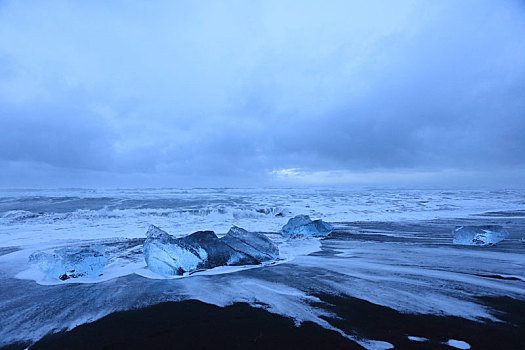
(458, 344)
(170, 256)
(254, 244)
(283, 212)
(68, 263)
(219, 253)
(418, 339)
(301, 225)
(479, 235)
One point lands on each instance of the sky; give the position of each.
(262, 93)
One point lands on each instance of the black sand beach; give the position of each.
(196, 325)
(408, 248)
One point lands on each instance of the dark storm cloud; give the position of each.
(259, 90)
(33, 133)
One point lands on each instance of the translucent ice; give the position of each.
(218, 252)
(479, 235)
(254, 244)
(301, 225)
(68, 263)
(170, 256)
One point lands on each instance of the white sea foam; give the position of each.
(28, 217)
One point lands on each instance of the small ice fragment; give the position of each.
(479, 235)
(458, 344)
(66, 263)
(414, 338)
(301, 225)
(283, 212)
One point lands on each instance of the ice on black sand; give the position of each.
(479, 235)
(170, 256)
(302, 225)
(66, 263)
(254, 244)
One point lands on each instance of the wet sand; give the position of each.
(196, 325)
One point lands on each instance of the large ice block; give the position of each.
(170, 256)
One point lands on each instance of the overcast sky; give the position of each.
(225, 93)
